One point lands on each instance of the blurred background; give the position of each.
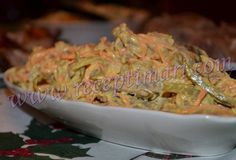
(25, 24)
(15, 10)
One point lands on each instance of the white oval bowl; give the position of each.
(202, 135)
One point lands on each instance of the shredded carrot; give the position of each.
(105, 56)
(149, 40)
(86, 54)
(68, 57)
(209, 109)
(164, 60)
(201, 96)
(124, 99)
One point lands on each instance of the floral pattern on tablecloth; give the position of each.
(38, 138)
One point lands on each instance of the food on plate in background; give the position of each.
(16, 46)
(58, 17)
(218, 40)
(111, 12)
(146, 71)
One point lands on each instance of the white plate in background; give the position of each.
(87, 32)
(233, 66)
